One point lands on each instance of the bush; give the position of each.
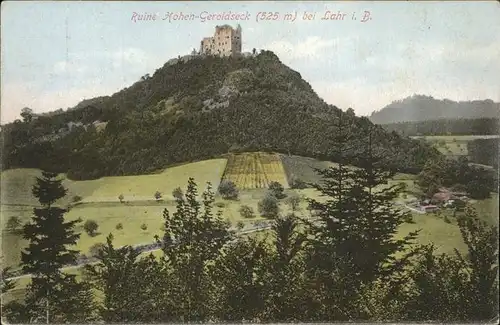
(458, 188)
(268, 207)
(96, 248)
(446, 219)
(277, 189)
(144, 226)
(228, 190)
(294, 202)
(90, 227)
(297, 183)
(77, 198)
(121, 197)
(240, 225)
(14, 224)
(157, 196)
(220, 204)
(119, 226)
(246, 212)
(177, 193)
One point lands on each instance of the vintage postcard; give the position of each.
(264, 162)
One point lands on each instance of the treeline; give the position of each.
(484, 151)
(348, 264)
(164, 119)
(456, 126)
(458, 175)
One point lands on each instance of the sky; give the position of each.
(55, 54)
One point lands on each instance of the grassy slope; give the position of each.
(453, 145)
(143, 187)
(134, 213)
(17, 183)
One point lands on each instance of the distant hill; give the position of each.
(461, 126)
(424, 108)
(193, 109)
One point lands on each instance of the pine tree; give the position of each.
(353, 242)
(52, 295)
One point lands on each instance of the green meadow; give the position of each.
(453, 145)
(100, 203)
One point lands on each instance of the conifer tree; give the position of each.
(52, 296)
(353, 242)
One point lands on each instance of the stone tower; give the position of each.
(225, 42)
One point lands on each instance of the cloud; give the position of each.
(311, 48)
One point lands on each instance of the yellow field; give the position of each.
(255, 170)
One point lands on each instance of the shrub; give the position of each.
(77, 198)
(409, 219)
(268, 206)
(119, 226)
(458, 188)
(144, 226)
(246, 212)
(240, 225)
(121, 197)
(297, 183)
(277, 189)
(157, 196)
(446, 219)
(293, 201)
(90, 227)
(177, 193)
(14, 224)
(220, 204)
(96, 248)
(228, 190)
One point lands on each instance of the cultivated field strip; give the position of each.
(255, 170)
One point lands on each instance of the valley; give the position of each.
(251, 172)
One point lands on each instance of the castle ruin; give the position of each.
(225, 42)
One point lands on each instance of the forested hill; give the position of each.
(192, 110)
(476, 126)
(423, 108)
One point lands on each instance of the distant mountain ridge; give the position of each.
(424, 108)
